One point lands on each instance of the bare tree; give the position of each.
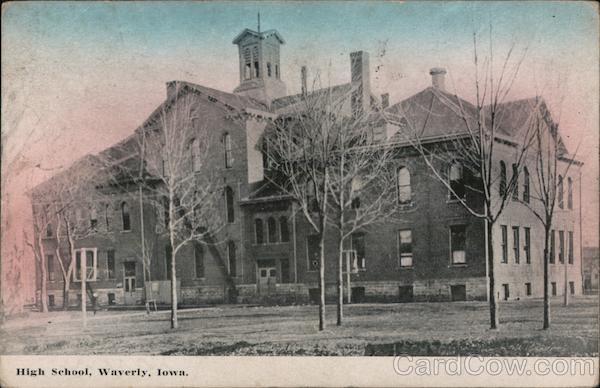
(178, 180)
(466, 160)
(551, 163)
(300, 147)
(67, 209)
(362, 185)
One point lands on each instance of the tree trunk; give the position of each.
(546, 280)
(65, 295)
(340, 281)
(566, 288)
(491, 280)
(322, 280)
(44, 273)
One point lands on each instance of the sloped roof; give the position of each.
(234, 100)
(433, 113)
(257, 34)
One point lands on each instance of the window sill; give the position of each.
(406, 206)
(269, 244)
(406, 267)
(455, 200)
(125, 231)
(458, 265)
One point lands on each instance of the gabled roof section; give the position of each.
(515, 118)
(337, 92)
(432, 113)
(260, 35)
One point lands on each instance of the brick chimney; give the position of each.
(361, 85)
(385, 100)
(438, 78)
(303, 80)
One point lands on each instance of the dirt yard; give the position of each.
(369, 329)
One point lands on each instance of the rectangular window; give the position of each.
(504, 243)
(515, 178)
(50, 266)
(528, 289)
(570, 254)
(91, 262)
(285, 271)
(312, 252)
(553, 285)
(506, 289)
(405, 248)
(458, 244)
(358, 245)
(572, 288)
(110, 264)
(232, 258)
(50, 300)
(199, 260)
(552, 246)
(527, 246)
(49, 230)
(516, 245)
(561, 246)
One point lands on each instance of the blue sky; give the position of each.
(83, 75)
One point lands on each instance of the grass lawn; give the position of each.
(369, 329)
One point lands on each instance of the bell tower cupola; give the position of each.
(260, 66)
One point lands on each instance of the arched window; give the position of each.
(195, 154)
(230, 213)
(272, 229)
(283, 228)
(93, 217)
(228, 150)
(357, 186)
(525, 185)
(125, 216)
(502, 187)
(107, 216)
(311, 199)
(560, 193)
(457, 182)
(258, 231)
(232, 258)
(569, 193)
(199, 260)
(404, 189)
(515, 178)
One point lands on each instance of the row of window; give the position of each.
(528, 292)
(457, 184)
(561, 246)
(199, 253)
(277, 230)
(457, 245)
(526, 186)
(516, 246)
(126, 216)
(516, 250)
(252, 67)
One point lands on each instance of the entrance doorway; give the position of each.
(129, 282)
(267, 277)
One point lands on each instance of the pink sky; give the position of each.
(78, 77)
